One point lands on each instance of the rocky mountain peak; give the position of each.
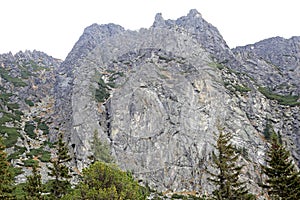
(194, 14)
(159, 20)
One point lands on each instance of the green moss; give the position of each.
(289, 100)
(36, 67)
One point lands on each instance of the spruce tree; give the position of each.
(33, 186)
(6, 175)
(283, 179)
(226, 179)
(101, 149)
(59, 170)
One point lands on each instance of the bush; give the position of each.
(106, 181)
(18, 151)
(45, 157)
(12, 106)
(30, 162)
(29, 129)
(29, 102)
(44, 127)
(101, 94)
(42, 155)
(12, 135)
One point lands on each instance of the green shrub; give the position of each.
(29, 129)
(106, 181)
(101, 93)
(29, 102)
(4, 97)
(241, 89)
(18, 151)
(44, 127)
(12, 106)
(40, 153)
(45, 156)
(17, 82)
(12, 135)
(7, 117)
(217, 65)
(30, 162)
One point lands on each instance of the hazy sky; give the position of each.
(53, 26)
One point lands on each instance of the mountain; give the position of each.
(27, 104)
(158, 96)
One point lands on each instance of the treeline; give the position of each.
(105, 181)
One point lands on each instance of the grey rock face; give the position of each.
(170, 87)
(279, 58)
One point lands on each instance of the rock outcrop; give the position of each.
(164, 92)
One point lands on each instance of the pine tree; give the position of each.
(33, 186)
(226, 180)
(101, 149)
(6, 175)
(283, 180)
(59, 170)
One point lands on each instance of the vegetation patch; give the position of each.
(40, 153)
(17, 152)
(17, 82)
(217, 65)
(12, 106)
(288, 100)
(4, 97)
(11, 135)
(29, 102)
(29, 129)
(241, 89)
(44, 127)
(101, 93)
(30, 162)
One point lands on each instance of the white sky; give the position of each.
(53, 26)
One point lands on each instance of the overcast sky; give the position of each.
(53, 26)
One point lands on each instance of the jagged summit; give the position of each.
(194, 13)
(159, 20)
